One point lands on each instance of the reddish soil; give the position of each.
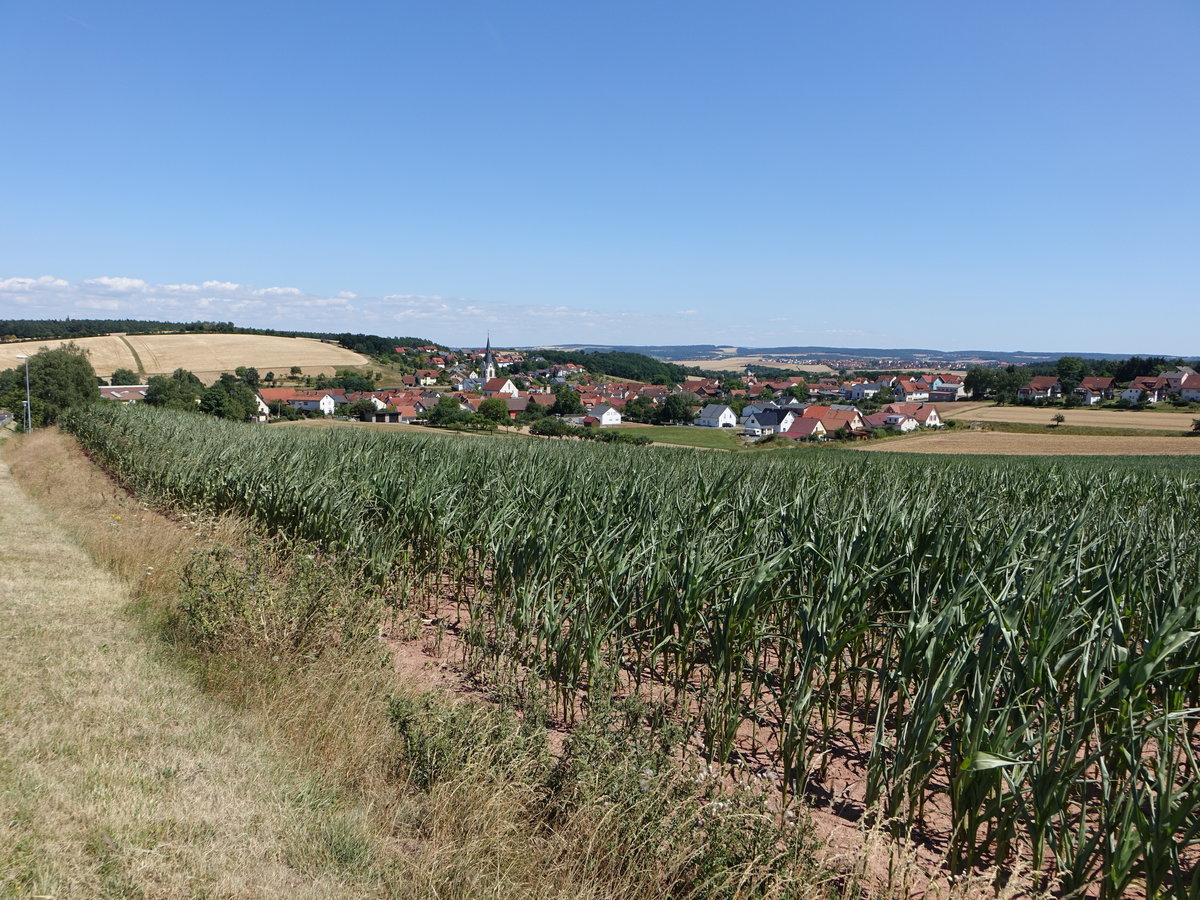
(429, 653)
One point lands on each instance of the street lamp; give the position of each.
(28, 406)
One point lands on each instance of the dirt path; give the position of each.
(119, 778)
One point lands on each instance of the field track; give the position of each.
(207, 355)
(118, 777)
(983, 442)
(1096, 418)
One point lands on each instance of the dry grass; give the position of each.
(207, 355)
(118, 776)
(987, 442)
(1094, 418)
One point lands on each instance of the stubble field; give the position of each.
(974, 443)
(1095, 418)
(207, 355)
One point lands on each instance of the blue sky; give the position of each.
(1017, 175)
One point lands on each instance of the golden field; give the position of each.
(1094, 418)
(1008, 444)
(207, 355)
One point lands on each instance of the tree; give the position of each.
(229, 398)
(361, 408)
(294, 371)
(1058, 418)
(59, 379)
(494, 410)
(269, 378)
(124, 376)
(179, 390)
(1069, 370)
(886, 395)
(639, 409)
(447, 412)
(674, 409)
(567, 402)
(248, 375)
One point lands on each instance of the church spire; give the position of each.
(489, 364)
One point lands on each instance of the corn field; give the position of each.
(1015, 642)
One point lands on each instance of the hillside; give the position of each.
(208, 355)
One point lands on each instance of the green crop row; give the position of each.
(1013, 643)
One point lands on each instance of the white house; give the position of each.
(892, 421)
(323, 402)
(769, 421)
(606, 415)
(717, 415)
(751, 408)
(494, 386)
(1189, 388)
(926, 415)
(864, 390)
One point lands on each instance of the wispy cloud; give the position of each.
(456, 320)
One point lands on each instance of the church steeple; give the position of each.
(489, 364)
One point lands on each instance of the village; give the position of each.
(486, 388)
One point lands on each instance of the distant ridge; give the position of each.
(712, 352)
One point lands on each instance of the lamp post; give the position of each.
(28, 407)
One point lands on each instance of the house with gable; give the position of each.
(324, 402)
(1175, 378)
(925, 414)
(910, 390)
(1041, 387)
(847, 420)
(717, 415)
(890, 421)
(605, 414)
(1189, 388)
(947, 388)
(803, 429)
(499, 385)
(769, 421)
(1145, 389)
(1093, 389)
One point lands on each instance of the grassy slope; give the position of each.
(118, 777)
(688, 436)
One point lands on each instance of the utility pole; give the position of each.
(28, 407)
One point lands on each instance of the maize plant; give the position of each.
(1012, 641)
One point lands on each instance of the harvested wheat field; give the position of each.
(1095, 418)
(982, 442)
(207, 355)
(730, 363)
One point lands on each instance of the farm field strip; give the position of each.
(207, 355)
(1100, 418)
(1016, 642)
(998, 442)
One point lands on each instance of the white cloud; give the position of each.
(31, 284)
(118, 284)
(279, 292)
(453, 320)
